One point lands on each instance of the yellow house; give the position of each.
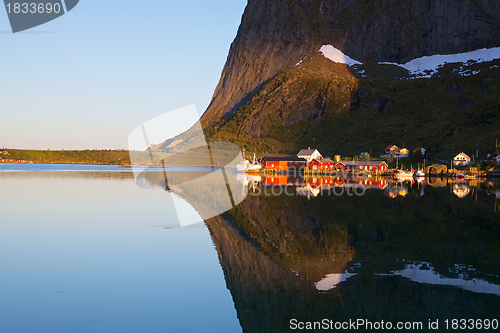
(400, 153)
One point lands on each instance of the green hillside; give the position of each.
(346, 111)
(109, 157)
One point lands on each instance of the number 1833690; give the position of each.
(471, 324)
(33, 8)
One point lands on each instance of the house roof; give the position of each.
(390, 147)
(462, 154)
(281, 159)
(327, 160)
(307, 152)
(372, 163)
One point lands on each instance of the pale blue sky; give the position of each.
(88, 78)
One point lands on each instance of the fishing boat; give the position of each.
(247, 166)
(418, 174)
(403, 174)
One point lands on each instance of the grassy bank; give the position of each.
(106, 157)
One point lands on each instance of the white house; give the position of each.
(497, 159)
(309, 155)
(461, 159)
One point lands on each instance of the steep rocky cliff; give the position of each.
(276, 34)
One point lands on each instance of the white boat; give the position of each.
(403, 174)
(247, 166)
(419, 174)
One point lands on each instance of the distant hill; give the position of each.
(108, 157)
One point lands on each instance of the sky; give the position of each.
(87, 79)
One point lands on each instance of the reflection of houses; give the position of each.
(279, 180)
(461, 159)
(308, 191)
(366, 183)
(394, 190)
(313, 186)
(376, 184)
(461, 190)
(282, 180)
(367, 166)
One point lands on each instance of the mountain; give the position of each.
(275, 34)
(278, 93)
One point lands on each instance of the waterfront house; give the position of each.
(282, 163)
(367, 166)
(325, 165)
(309, 154)
(461, 159)
(340, 166)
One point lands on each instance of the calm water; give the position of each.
(84, 249)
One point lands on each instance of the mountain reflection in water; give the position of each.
(316, 253)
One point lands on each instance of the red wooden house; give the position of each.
(324, 165)
(282, 163)
(340, 166)
(367, 166)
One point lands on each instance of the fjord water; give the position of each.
(402, 252)
(88, 250)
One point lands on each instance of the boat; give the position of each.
(247, 166)
(403, 174)
(419, 173)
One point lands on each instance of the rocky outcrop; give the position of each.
(274, 34)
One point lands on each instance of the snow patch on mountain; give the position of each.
(423, 67)
(426, 66)
(336, 55)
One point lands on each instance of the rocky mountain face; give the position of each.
(276, 34)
